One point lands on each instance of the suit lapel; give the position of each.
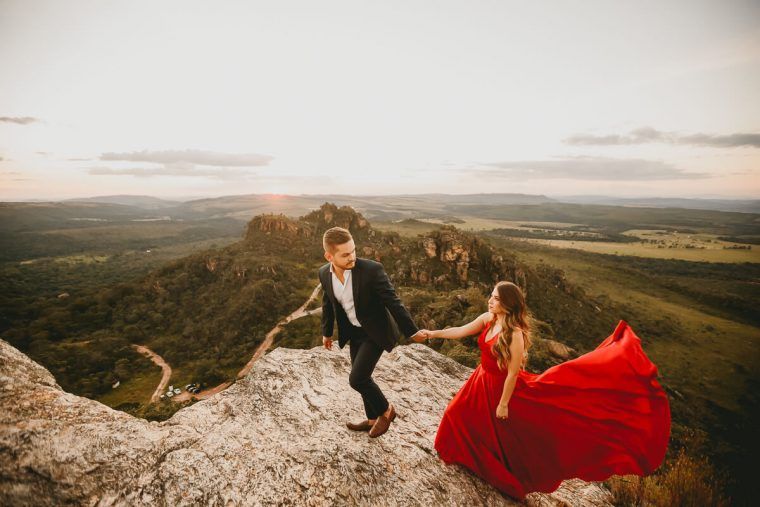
(329, 284)
(355, 278)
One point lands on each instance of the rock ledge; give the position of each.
(275, 437)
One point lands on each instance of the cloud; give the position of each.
(586, 168)
(198, 157)
(726, 141)
(650, 135)
(185, 163)
(175, 169)
(19, 120)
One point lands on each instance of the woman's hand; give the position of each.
(420, 336)
(502, 411)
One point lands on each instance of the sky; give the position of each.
(186, 99)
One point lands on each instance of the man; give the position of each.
(359, 295)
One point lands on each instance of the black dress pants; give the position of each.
(364, 356)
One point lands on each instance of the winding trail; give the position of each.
(260, 350)
(269, 338)
(167, 370)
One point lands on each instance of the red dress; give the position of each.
(600, 414)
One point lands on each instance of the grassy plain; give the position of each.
(137, 390)
(707, 254)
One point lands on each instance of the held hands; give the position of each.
(327, 342)
(502, 412)
(421, 335)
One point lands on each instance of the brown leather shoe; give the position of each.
(382, 423)
(362, 426)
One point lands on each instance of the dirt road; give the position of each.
(167, 370)
(260, 350)
(269, 338)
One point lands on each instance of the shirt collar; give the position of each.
(347, 271)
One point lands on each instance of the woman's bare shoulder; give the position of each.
(485, 318)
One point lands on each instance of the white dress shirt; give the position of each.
(344, 293)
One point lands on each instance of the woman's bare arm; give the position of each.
(455, 333)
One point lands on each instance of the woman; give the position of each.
(600, 414)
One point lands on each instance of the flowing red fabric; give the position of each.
(600, 414)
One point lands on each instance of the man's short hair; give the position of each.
(334, 237)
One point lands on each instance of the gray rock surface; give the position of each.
(275, 437)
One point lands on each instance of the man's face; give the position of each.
(344, 255)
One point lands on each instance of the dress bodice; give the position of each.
(487, 358)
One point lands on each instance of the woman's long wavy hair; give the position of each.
(512, 301)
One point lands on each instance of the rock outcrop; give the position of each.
(304, 234)
(276, 224)
(449, 257)
(443, 258)
(275, 437)
(329, 215)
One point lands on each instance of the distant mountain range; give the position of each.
(737, 220)
(139, 201)
(376, 206)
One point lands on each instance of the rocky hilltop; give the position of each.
(444, 258)
(275, 437)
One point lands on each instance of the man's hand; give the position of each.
(421, 335)
(327, 342)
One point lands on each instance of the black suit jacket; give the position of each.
(378, 308)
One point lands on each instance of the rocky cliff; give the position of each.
(275, 437)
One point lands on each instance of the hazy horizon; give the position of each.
(316, 194)
(635, 99)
